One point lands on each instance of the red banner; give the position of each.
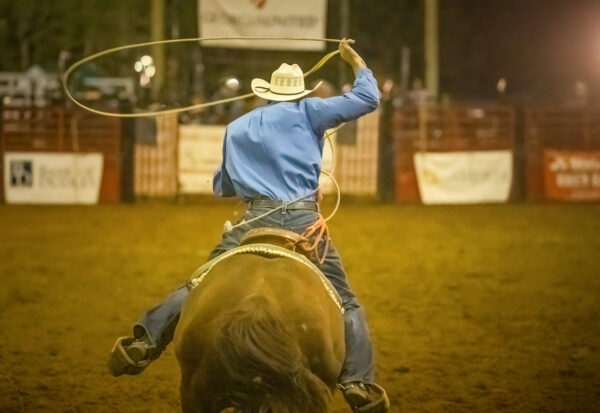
(572, 176)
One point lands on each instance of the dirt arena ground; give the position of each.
(475, 308)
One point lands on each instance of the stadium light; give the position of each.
(232, 83)
(147, 60)
(150, 71)
(501, 85)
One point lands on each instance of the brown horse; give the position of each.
(261, 335)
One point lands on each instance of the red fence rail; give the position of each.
(446, 129)
(54, 129)
(576, 129)
(455, 127)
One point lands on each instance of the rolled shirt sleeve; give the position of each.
(327, 113)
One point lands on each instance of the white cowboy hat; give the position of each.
(287, 83)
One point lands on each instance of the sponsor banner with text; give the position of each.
(263, 18)
(52, 178)
(464, 177)
(572, 175)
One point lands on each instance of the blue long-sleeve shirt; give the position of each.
(275, 151)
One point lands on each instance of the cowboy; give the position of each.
(272, 158)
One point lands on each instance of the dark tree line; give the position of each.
(36, 31)
(542, 47)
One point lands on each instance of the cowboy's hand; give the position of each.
(350, 56)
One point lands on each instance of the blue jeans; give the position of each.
(159, 322)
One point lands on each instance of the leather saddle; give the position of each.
(280, 237)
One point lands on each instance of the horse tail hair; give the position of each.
(266, 363)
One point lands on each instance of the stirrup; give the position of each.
(380, 404)
(120, 361)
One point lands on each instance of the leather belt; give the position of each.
(274, 203)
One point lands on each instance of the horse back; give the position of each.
(293, 291)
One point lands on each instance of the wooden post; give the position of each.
(405, 70)
(344, 32)
(158, 51)
(431, 48)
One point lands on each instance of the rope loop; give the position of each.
(77, 64)
(319, 228)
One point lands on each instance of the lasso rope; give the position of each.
(77, 64)
(319, 229)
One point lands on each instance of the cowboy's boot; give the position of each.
(365, 398)
(130, 356)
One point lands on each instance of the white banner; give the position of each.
(201, 152)
(200, 155)
(464, 177)
(52, 178)
(263, 18)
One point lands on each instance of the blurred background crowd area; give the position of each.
(496, 98)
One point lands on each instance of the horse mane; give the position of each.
(254, 343)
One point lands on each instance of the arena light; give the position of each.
(150, 71)
(138, 66)
(147, 60)
(501, 85)
(232, 83)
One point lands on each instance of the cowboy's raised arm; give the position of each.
(327, 113)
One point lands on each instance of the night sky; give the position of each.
(542, 47)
